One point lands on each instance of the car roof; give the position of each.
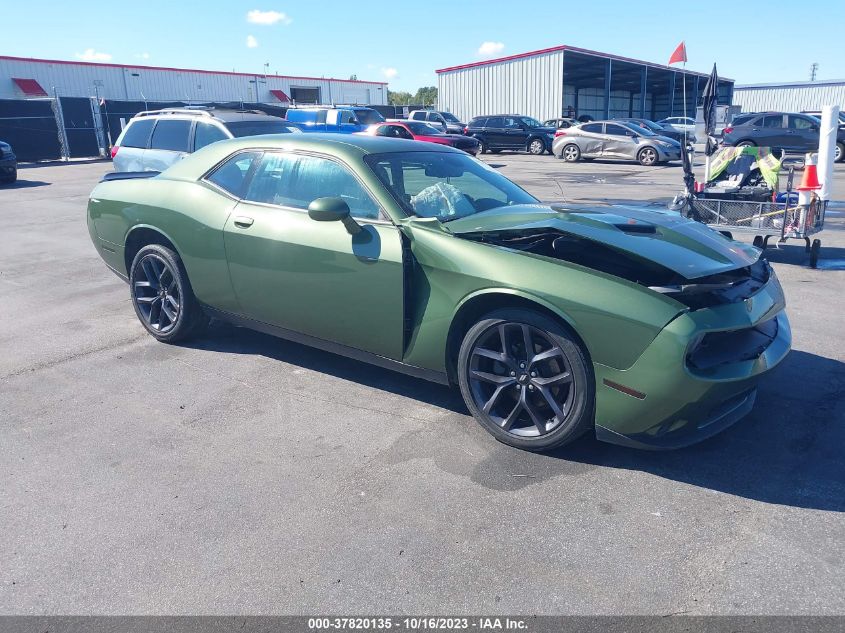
(224, 115)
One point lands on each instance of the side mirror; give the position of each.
(333, 210)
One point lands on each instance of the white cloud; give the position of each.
(490, 49)
(267, 17)
(251, 42)
(90, 55)
(390, 73)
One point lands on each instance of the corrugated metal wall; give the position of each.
(789, 98)
(529, 85)
(141, 83)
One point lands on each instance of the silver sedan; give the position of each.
(614, 139)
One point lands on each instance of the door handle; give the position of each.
(243, 222)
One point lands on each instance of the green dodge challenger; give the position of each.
(643, 327)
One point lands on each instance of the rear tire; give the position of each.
(814, 253)
(11, 178)
(526, 379)
(162, 295)
(746, 143)
(484, 149)
(571, 153)
(839, 153)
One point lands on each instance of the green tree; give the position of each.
(426, 95)
(399, 98)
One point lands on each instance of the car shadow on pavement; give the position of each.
(24, 184)
(788, 450)
(226, 338)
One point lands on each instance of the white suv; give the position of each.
(154, 140)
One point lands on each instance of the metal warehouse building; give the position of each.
(570, 81)
(22, 78)
(793, 96)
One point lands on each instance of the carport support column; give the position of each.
(643, 84)
(607, 73)
(672, 93)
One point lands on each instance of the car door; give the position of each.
(169, 143)
(494, 132)
(769, 131)
(516, 133)
(590, 138)
(313, 277)
(803, 133)
(618, 142)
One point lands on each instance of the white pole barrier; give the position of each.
(827, 147)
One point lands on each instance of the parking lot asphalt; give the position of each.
(244, 474)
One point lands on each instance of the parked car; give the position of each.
(154, 140)
(8, 163)
(437, 125)
(343, 120)
(552, 321)
(614, 139)
(453, 125)
(785, 131)
(818, 115)
(419, 131)
(510, 131)
(668, 132)
(562, 122)
(679, 123)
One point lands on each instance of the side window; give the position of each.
(171, 134)
(383, 130)
(511, 123)
(347, 116)
(232, 174)
(773, 120)
(496, 122)
(478, 123)
(138, 134)
(800, 123)
(617, 130)
(401, 132)
(594, 128)
(418, 116)
(206, 134)
(292, 180)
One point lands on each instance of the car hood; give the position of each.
(688, 248)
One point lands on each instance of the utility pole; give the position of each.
(813, 68)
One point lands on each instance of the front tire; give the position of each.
(536, 146)
(162, 295)
(526, 380)
(647, 156)
(839, 153)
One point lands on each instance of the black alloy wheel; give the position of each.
(525, 379)
(162, 296)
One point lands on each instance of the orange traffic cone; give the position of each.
(810, 179)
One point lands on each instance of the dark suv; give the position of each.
(511, 131)
(8, 163)
(786, 131)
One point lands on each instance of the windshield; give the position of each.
(530, 122)
(422, 129)
(649, 125)
(445, 185)
(639, 129)
(256, 128)
(368, 117)
(451, 118)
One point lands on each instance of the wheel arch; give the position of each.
(479, 303)
(142, 235)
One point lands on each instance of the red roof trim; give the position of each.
(280, 95)
(183, 70)
(30, 87)
(574, 49)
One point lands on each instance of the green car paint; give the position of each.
(405, 288)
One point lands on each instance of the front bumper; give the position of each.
(681, 404)
(8, 165)
(669, 154)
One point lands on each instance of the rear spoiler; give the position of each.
(129, 175)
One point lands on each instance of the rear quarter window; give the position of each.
(137, 134)
(479, 122)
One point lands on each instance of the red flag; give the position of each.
(680, 54)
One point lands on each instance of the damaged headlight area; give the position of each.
(726, 287)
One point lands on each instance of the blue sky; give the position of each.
(403, 42)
